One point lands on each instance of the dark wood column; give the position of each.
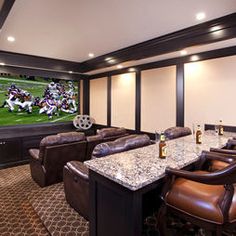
(138, 102)
(109, 101)
(86, 95)
(180, 94)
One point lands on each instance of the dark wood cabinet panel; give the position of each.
(10, 150)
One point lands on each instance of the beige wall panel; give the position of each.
(158, 99)
(123, 101)
(81, 96)
(210, 91)
(98, 100)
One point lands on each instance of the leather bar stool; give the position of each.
(205, 199)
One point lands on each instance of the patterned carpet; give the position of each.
(17, 217)
(26, 209)
(58, 217)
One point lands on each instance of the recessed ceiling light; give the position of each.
(215, 28)
(132, 69)
(183, 52)
(70, 72)
(200, 16)
(11, 39)
(91, 55)
(112, 61)
(119, 66)
(108, 58)
(194, 58)
(2, 64)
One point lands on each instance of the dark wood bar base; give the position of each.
(116, 210)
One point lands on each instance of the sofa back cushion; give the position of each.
(61, 138)
(176, 132)
(120, 145)
(110, 132)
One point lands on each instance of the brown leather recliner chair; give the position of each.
(205, 199)
(76, 179)
(47, 162)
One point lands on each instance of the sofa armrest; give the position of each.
(78, 169)
(34, 153)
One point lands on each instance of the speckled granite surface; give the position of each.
(139, 167)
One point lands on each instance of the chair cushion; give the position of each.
(197, 199)
(176, 132)
(94, 138)
(110, 132)
(135, 141)
(218, 165)
(122, 144)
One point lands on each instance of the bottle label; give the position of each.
(200, 138)
(163, 151)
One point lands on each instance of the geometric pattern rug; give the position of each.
(57, 216)
(17, 217)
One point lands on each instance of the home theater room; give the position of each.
(117, 118)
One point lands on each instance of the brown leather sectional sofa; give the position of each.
(76, 178)
(47, 162)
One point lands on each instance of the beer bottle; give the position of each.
(162, 146)
(221, 129)
(198, 135)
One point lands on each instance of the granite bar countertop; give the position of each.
(137, 168)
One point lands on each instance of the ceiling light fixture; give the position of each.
(70, 72)
(2, 64)
(91, 55)
(11, 39)
(215, 28)
(132, 69)
(183, 52)
(200, 16)
(194, 58)
(119, 66)
(108, 58)
(112, 61)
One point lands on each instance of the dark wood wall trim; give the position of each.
(180, 95)
(6, 8)
(37, 62)
(213, 54)
(109, 81)
(138, 101)
(192, 36)
(86, 97)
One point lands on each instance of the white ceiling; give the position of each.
(70, 29)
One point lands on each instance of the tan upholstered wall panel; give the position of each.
(210, 91)
(81, 96)
(158, 99)
(98, 100)
(123, 101)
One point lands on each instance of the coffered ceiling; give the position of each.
(70, 30)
